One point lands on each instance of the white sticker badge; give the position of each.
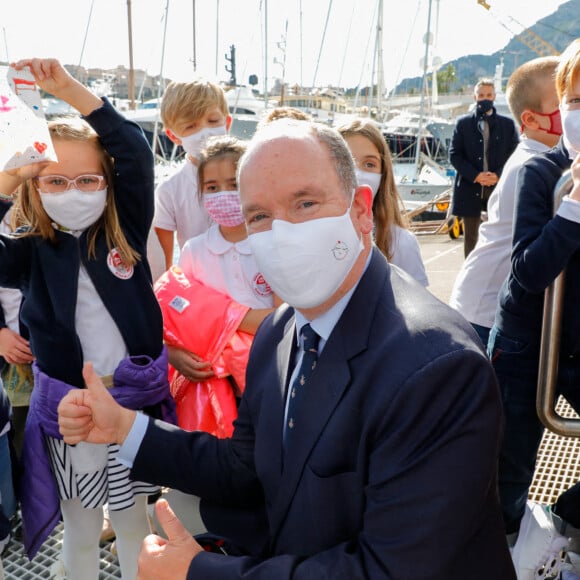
(117, 266)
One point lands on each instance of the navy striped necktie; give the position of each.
(309, 340)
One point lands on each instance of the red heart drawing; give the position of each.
(40, 147)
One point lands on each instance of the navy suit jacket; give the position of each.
(466, 156)
(391, 471)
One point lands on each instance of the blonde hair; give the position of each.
(387, 202)
(284, 113)
(525, 87)
(220, 147)
(183, 101)
(568, 68)
(29, 214)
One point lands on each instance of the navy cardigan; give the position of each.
(543, 246)
(4, 207)
(47, 274)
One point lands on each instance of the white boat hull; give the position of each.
(415, 195)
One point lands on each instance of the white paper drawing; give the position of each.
(24, 135)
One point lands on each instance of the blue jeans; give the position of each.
(516, 366)
(7, 496)
(482, 332)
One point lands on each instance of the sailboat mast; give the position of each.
(131, 69)
(5, 44)
(217, 34)
(194, 38)
(380, 68)
(422, 103)
(266, 53)
(160, 86)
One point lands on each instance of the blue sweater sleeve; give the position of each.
(542, 244)
(125, 142)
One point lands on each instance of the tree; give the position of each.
(446, 79)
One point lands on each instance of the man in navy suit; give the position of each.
(481, 144)
(385, 466)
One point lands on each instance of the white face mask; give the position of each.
(194, 143)
(305, 263)
(373, 180)
(74, 209)
(571, 129)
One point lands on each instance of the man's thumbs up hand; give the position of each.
(167, 559)
(92, 414)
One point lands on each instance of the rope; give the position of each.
(320, 51)
(346, 45)
(86, 32)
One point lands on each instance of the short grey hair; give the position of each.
(484, 82)
(330, 138)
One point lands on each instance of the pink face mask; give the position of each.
(555, 122)
(224, 208)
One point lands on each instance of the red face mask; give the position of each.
(555, 122)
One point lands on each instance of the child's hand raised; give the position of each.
(53, 78)
(48, 73)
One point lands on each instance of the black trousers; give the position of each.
(471, 223)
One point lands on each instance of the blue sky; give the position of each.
(59, 29)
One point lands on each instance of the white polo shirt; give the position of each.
(226, 266)
(476, 288)
(178, 207)
(407, 254)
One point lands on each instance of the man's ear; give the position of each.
(174, 138)
(228, 123)
(362, 205)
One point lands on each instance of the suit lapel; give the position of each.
(328, 382)
(274, 402)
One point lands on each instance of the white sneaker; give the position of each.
(540, 552)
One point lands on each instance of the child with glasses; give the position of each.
(80, 263)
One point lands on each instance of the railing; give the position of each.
(550, 342)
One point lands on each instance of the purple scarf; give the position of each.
(139, 382)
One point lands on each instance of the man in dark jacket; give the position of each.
(372, 454)
(482, 142)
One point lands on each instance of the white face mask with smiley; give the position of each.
(305, 263)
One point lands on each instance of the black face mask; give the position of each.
(484, 106)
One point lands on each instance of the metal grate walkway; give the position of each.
(18, 567)
(558, 462)
(557, 468)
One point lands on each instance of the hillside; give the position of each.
(558, 29)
